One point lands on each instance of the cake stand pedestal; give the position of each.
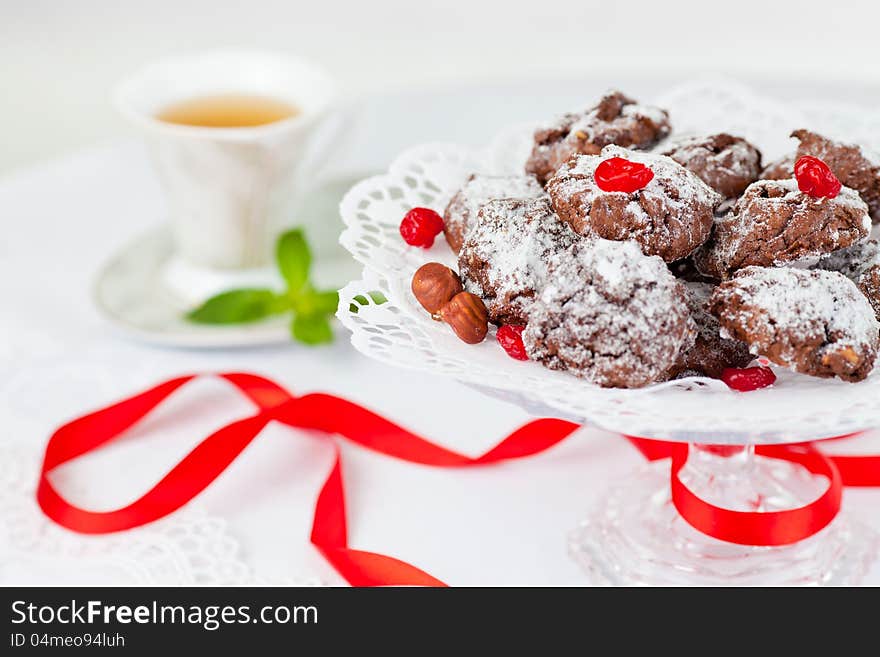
(635, 535)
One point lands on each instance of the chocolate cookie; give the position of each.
(478, 189)
(815, 322)
(852, 261)
(853, 166)
(617, 119)
(710, 353)
(608, 314)
(727, 164)
(503, 259)
(774, 223)
(869, 285)
(779, 169)
(671, 216)
(860, 263)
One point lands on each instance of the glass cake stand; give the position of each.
(634, 535)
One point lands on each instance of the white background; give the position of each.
(59, 59)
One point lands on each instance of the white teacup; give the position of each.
(231, 191)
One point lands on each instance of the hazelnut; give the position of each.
(466, 314)
(434, 285)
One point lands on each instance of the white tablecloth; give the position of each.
(503, 524)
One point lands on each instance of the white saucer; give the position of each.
(140, 288)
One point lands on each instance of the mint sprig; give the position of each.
(311, 309)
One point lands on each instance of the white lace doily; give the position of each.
(187, 548)
(190, 547)
(400, 332)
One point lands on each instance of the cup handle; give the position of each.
(334, 130)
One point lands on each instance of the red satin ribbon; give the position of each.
(213, 455)
(333, 415)
(754, 527)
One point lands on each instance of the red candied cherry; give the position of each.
(815, 178)
(619, 175)
(749, 378)
(420, 226)
(509, 337)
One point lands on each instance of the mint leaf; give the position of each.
(327, 301)
(294, 259)
(310, 302)
(312, 329)
(312, 309)
(238, 306)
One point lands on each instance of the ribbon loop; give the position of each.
(771, 528)
(320, 412)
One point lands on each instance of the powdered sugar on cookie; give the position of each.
(670, 217)
(816, 322)
(774, 223)
(855, 166)
(726, 163)
(609, 314)
(615, 119)
(853, 261)
(461, 212)
(504, 258)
